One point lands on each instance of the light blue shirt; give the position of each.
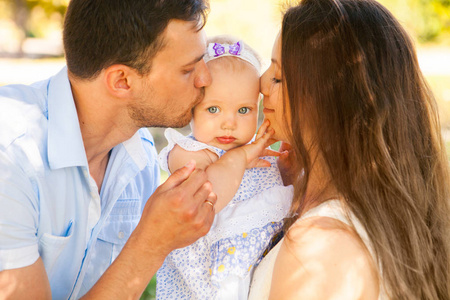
(49, 204)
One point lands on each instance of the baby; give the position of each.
(251, 198)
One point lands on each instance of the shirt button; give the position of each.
(121, 235)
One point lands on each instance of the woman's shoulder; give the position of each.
(321, 258)
(312, 228)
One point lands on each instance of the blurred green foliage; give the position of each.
(429, 20)
(34, 17)
(150, 292)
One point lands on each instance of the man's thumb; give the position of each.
(180, 175)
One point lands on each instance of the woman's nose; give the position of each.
(264, 84)
(266, 88)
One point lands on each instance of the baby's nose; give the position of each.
(229, 123)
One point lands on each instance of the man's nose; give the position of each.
(203, 78)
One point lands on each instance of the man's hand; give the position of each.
(177, 213)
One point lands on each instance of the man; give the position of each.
(77, 170)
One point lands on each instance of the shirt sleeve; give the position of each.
(18, 216)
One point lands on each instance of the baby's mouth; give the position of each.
(226, 139)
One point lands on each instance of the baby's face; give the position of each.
(228, 115)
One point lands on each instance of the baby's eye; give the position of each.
(244, 110)
(213, 109)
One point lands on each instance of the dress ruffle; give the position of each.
(188, 143)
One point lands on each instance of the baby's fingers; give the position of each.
(269, 152)
(267, 138)
(262, 129)
(259, 163)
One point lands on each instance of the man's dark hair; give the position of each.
(100, 33)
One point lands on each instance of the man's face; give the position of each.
(176, 81)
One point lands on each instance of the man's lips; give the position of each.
(226, 139)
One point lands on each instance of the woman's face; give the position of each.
(271, 88)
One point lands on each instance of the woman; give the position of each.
(370, 210)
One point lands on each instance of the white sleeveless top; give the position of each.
(262, 277)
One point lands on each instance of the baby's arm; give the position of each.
(225, 174)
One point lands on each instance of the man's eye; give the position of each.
(188, 71)
(213, 109)
(244, 110)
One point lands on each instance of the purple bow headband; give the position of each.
(216, 50)
(219, 49)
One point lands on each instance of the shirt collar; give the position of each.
(136, 150)
(65, 144)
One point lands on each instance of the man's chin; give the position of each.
(177, 122)
(183, 120)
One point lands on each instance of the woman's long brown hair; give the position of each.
(352, 78)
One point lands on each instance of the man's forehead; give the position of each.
(184, 41)
(177, 29)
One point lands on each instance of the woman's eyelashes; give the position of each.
(276, 80)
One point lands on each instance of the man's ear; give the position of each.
(118, 79)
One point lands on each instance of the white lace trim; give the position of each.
(186, 142)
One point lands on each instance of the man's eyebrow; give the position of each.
(195, 60)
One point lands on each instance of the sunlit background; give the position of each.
(31, 48)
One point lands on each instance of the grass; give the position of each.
(150, 291)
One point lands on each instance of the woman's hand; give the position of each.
(286, 164)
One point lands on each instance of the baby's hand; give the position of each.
(259, 147)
